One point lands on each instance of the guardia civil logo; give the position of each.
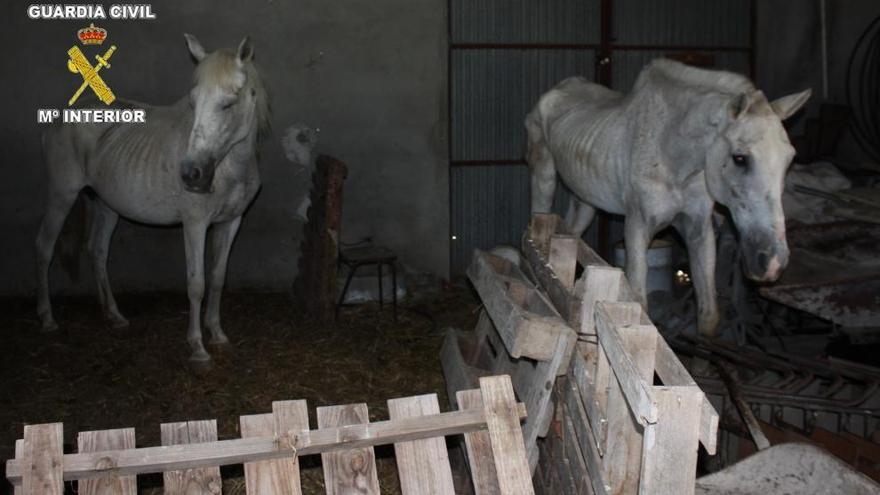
(79, 64)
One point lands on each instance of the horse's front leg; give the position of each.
(194, 242)
(700, 239)
(222, 236)
(637, 236)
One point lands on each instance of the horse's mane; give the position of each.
(676, 72)
(219, 68)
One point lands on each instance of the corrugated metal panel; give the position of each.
(525, 21)
(491, 207)
(493, 90)
(627, 65)
(682, 22)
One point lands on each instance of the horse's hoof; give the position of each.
(200, 356)
(117, 322)
(48, 327)
(201, 367)
(218, 340)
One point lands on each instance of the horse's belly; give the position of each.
(593, 183)
(153, 209)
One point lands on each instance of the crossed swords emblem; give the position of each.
(78, 63)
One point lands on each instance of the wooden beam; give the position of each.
(511, 463)
(238, 451)
(600, 283)
(584, 436)
(351, 470)
(99, 441)
(422, 465)
(562, 298)
(528, 332)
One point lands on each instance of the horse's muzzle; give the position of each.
(765, 263)
(196, 178)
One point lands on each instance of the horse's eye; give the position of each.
(740, 160)
(228, 105)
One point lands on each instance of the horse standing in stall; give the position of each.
(682, 140)
(192, 163)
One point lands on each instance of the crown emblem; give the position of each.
(92, 35)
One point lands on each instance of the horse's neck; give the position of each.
(687, 128)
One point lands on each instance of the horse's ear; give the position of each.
(195, 48)
(245, 50)
(787, 106)
(741, 104)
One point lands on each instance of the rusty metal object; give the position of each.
(834, 273)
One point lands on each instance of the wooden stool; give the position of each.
(355, 258)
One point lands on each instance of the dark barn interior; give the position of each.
(393, 248)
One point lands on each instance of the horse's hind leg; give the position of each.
(102, 223)
(579, 217)
(222, 236)
(57, 208)
(542, 167)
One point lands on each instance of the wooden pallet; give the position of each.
(519, 334)
(616, 431)
(107, 461)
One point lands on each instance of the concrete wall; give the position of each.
(789, 55)
(369, 74)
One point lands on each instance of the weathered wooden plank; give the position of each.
(205, 480)
(42, 453)
(563, 258)
(583, 478)
(422, 465)
(557, 461)
(276, 476)
(19, 454)
(601, 283)
(525, 333)
(635, 389)
(99, 441)
(562, 298)
(672, 373)
(623, 452)
(669, 456)
(353, 470)
(479, 448)
(584, 435)
(241, 450)
(581, 378)
(505, 433)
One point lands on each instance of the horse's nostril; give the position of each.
(196, 173)
(763, 260)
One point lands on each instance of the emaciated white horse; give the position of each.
(682, 140)
(194, 162)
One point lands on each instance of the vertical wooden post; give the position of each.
(19, 454)
(479, 448)
(563, 258)
(511, 464)
(669, 455)
(277, 476)
(43, 453)
(191, 481)
(98, 441)
(601, 283)
(423, 465)
(348, 471)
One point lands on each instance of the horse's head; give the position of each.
(229, 106)
(745, 170)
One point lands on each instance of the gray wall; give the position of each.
(789, 51)
(369, 74)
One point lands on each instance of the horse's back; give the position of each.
(573, 93)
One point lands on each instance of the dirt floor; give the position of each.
(89, 376)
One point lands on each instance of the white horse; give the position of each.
(682, 140)
(192, 163)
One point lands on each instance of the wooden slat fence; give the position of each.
(107, 462)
